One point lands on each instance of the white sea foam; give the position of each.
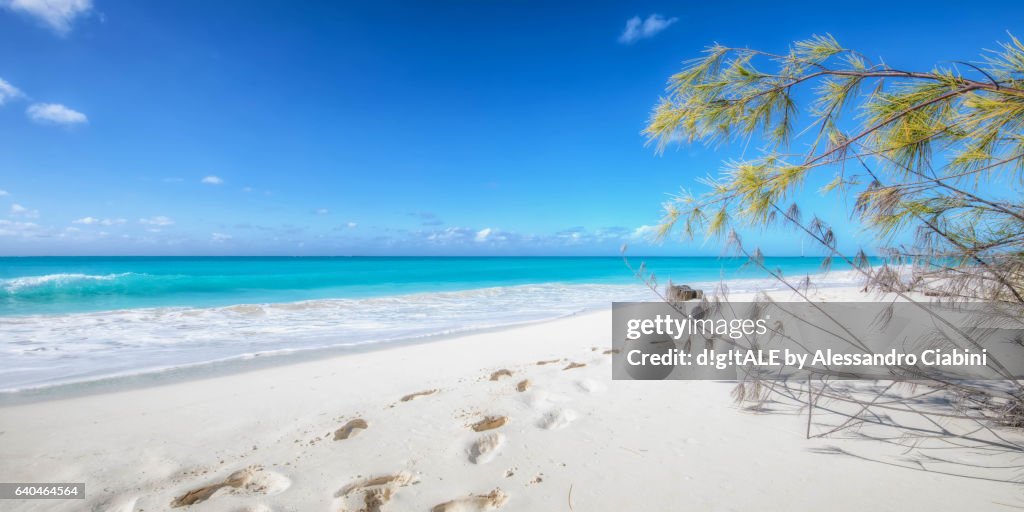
(43, 350)
(16, 284)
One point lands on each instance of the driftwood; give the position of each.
(681, 293)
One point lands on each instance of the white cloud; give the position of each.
(16, 228)
(54, 113)
(3, 193)
(21, 211)
(219, 237)
(352, 225)
(321, 211)
(611, 233)
(637, 29)
(102, 222)
(246, 189)
(58, 14)
(158, 220)
(212, 180)
(449, 235)
(571, 236)
(8, 91)
(453, 236)
(645, 232)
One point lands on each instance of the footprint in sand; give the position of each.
(350, 429)
(253, 480)
(479, 503)
(557, 419)
(574, 365)
(371, 494)
(489, 423)
(539, 398)
(418, 394)
(486, 447)
(590, 386)
(523, 385)
(501, 373)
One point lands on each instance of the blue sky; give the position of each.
(195, 127)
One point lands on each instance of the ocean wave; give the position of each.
(73, 288)
(30, 284)
(75, 292)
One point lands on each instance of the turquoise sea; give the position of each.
(71, 319)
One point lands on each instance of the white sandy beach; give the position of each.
(573, 440)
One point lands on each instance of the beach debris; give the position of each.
(501, 373)
(489, 423)
(550, 361)
(612, 351)
(478, 503)
(418, 394)
(574, 365)
(523, 385)
(681, 293)
(352, 428)
(486, 447)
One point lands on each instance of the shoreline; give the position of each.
(242, 365)
(289, 341)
